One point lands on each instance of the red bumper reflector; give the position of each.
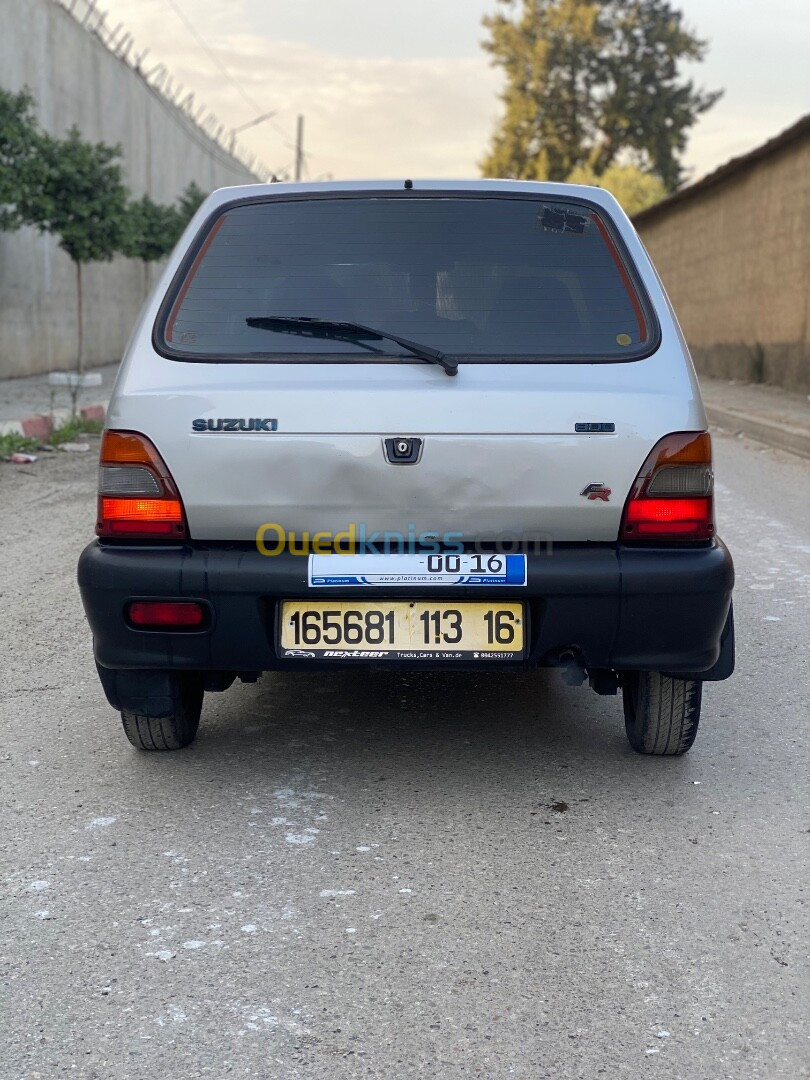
(165, 613)
(140, 528)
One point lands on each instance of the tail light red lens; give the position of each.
(673, 496)
(166, 614)
(138, 498)
(664, 517)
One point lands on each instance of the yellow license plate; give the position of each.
(401, 630)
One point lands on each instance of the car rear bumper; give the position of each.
(616, 608)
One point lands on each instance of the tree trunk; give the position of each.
(80, 365)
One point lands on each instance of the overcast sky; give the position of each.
(392, 88)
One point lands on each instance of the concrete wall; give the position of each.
(76, 79)
(735, 260)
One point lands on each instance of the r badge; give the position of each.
(596, 491)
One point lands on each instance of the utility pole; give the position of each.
(299, 148)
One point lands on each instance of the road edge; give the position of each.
(780, 436)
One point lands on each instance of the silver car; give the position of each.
(408, 425)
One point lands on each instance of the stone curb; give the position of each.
(42, 426)
(782, 436)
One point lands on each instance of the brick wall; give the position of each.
(734, 256)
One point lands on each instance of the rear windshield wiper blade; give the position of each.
(349, 331)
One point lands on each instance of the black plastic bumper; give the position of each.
(618, 608)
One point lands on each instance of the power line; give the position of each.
(192, 29)
(289, 140)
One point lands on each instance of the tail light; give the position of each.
(673, 496)
(137, 497)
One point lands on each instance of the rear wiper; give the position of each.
(349, 331)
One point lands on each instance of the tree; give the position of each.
(82, 199)
(150, 233)
(74, 189)
(635, 190)
(547, 53)
(151, 230)
(590, 83)
(190, 202)
(21, 165)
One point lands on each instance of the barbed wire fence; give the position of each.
(120, 42)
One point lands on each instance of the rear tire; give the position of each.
(171, 732)
(661, 714)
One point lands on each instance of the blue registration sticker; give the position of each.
(417, 570)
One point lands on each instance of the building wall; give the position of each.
(77, 80)
(735, 260)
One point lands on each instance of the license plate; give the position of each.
(401, 630)
(419, 569)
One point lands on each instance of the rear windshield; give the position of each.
(483, 278)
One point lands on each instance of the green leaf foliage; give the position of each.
(151, 230)
(74, 189)
(634, 189)
(190, 202)
(590, 83)
(21, 166)
(82, 199)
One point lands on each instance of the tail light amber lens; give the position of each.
(138, 498)
(673, 495)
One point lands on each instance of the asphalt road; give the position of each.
(404, 876)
